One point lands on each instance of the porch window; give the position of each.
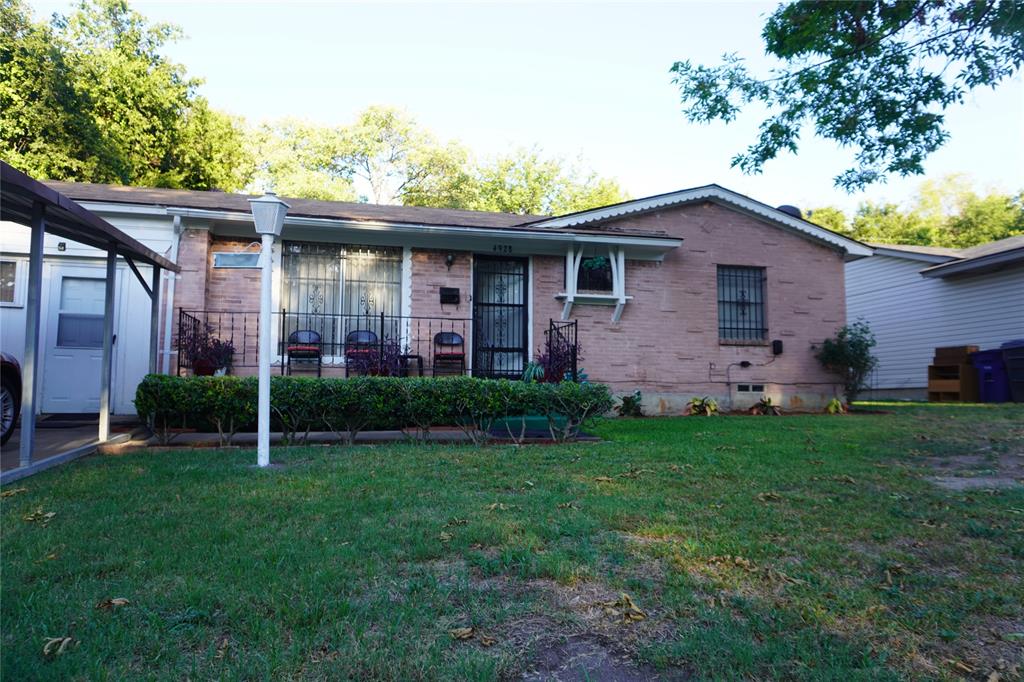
(595, 274)
(741, 304)
(335, 289)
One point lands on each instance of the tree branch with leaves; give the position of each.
(875, 77)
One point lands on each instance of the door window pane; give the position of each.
(80, 320)
(8, 274)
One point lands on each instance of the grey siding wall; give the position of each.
(912, 315)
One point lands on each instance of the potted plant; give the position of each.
(207, 354)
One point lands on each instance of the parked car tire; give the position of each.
(10, 396)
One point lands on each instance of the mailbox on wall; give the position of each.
(449, 296)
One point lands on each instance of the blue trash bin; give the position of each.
(993, 383)
(1013, 358)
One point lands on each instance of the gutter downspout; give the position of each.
(169, 306)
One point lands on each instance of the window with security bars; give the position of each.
(334, 289)
(741, 304)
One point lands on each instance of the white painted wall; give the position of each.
(911, 315)
(132, 315)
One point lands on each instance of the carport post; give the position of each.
(108, 344)
(29, 376)
(154, 320)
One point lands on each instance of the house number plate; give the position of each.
(502, 248)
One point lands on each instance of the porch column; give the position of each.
(154, 320)
(29, 376)
(108, 344)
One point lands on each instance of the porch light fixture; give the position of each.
(268, 215)
(449, 259)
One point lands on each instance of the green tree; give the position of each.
(524, 182)
(293, 158)
(91, 97)
(889, 224)
(946, 211)
(45, 127)
(984, 219)
(874, 76)
(399, 161)
(830, 218)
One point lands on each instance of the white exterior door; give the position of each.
(74, 340)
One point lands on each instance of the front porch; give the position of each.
(320, 344)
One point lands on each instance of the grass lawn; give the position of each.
(803, 547)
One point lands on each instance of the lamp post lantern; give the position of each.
(268, 214)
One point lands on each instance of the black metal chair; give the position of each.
(449, 353)
(306, 346)
(360, 345)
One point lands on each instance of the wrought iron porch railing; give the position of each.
(403, 344)
(397, 344)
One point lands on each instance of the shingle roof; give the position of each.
(990, 248)
(222, 201)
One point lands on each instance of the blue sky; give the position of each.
(586, 80)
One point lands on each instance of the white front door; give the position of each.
(74, 340)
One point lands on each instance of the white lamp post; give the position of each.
(268, 214)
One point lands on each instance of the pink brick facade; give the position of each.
(666, 343)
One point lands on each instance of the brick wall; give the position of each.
(666, 343)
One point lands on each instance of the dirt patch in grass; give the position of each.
(982, 471)
(992, 645)
(582, 631)
(588, 657)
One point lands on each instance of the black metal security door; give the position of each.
(500, 334)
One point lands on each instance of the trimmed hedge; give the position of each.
(414, 405)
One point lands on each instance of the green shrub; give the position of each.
(568, 406)
(849, 356)
(228, 402)
(300, 405)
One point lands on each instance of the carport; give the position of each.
(29, 202)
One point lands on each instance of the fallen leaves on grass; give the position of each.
(604, 479)
(464, 634)
(57, 646)
(13, 492)
(497, 506)
(456, 522)
(445, 537)
(568, 505)
(845, 478)
(635, 473)
(108, 604)
(625, 608)
(222, 647)
(959, 666)
(40, 517)
(769, 497)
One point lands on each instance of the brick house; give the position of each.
(697, 292)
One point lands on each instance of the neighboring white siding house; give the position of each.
(73, 276)
(915, 300)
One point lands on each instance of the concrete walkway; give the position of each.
(59, 440)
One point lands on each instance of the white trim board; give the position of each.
(852, 248)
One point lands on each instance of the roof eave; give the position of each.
(977, 265)
(912, 255)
